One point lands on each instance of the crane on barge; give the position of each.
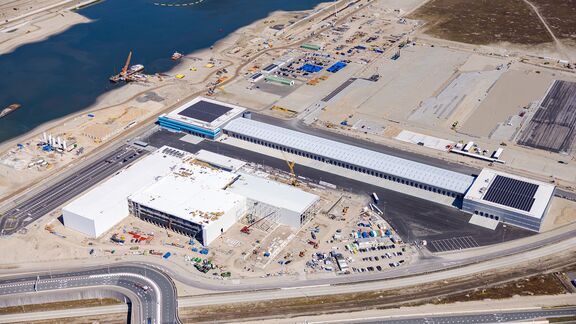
(128, 72)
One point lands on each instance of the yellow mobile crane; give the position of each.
(293, 180)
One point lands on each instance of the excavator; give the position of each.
(246, 229)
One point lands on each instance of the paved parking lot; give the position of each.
(450, 244)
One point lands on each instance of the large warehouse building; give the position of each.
(374, 163)
(191, 201)
(104, 206)
(201, 117)
(287, 206)
(509, 199)
(186, 194)
(495, 195)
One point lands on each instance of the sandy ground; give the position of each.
(560, 213)
(513, 91)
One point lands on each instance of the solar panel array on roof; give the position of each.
(336, 151)
(270, 67)
(512, 193)
(205, 111)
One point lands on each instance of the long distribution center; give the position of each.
(509, 199)
(374, 163)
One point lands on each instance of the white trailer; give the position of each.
(497, 153)
(468, 146)
(375, 198)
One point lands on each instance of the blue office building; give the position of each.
(201, 117)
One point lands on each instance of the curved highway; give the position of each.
(157, 299)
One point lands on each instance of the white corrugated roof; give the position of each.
(273, 193)
(108, 199)
(407, 169)
(192, 192)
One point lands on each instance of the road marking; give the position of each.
(455, 243)
(425, 316)
(304, 287)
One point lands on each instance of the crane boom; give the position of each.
(125, 69)
(291, 164)
(246, 229)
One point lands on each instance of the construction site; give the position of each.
(357, 138)
(368, 71)
(299, 227)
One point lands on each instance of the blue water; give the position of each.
(68, 71)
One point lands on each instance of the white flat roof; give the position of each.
(407, 169)
(482, 184)
(273, 193)
(109, 197)
(216, 123)
(192, 192)
(219, 160)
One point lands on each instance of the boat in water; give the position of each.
(137, 68)
(176, 56)
(11, 108)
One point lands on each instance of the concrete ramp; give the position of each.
(484, 222)
(192, 139)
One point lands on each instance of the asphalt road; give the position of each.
(157, 302)
(50, 198)
(413, 218)
(496, 317)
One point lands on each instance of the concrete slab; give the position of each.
(484, 222)
(192, 139)
(443, 106)
(513, 91)
(432, 142)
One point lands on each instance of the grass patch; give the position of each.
(562, 319)
(546, 284)
(58, 305)
(483, 22)
(560, 15)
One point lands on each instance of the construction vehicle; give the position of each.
(246, 229)
(128, 73)
(314, 244)
(293, 178)
(118, 240)
(50, 229)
